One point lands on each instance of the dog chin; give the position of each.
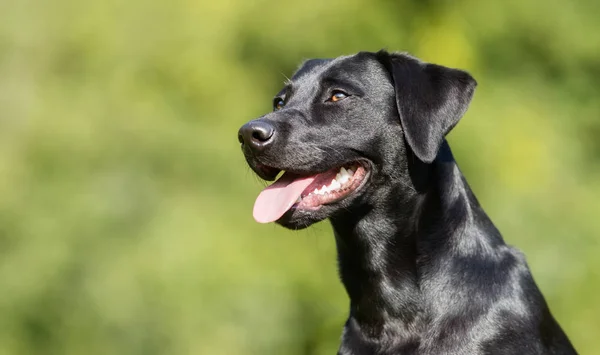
(297, 219)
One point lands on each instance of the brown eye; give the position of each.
(278, 104)
(337, 96)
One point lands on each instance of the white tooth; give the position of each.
(336, 185)
(343, 171)
(349, 173)
(299, 199)
(344, 179)
(316, 191)
(338, 177)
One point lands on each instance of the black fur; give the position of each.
(424, 267)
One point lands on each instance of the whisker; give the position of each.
(287, 80)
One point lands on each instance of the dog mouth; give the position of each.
(309, 192)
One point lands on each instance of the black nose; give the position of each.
(256, 134)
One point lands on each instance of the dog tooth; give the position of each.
(335, 184)
(350, 172)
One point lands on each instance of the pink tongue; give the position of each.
(276, 199)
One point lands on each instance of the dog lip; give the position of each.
(271, 169)
(266, 172)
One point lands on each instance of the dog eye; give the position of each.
(337, 96)
(278, 104)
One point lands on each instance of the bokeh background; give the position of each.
(125, 203)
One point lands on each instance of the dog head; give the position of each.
(342, 129)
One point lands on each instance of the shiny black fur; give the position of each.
(424, 267)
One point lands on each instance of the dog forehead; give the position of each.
(361, 66)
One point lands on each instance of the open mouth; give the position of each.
(308, 192)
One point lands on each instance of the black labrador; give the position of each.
(361, 141)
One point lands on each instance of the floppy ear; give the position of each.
(430, 98)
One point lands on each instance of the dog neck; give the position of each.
(385, 249)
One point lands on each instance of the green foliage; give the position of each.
(125, 208)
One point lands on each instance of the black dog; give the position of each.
(362, 142)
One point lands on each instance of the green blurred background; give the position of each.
(125, 203)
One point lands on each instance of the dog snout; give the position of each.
(256, 135)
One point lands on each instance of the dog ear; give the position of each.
(431, 99)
